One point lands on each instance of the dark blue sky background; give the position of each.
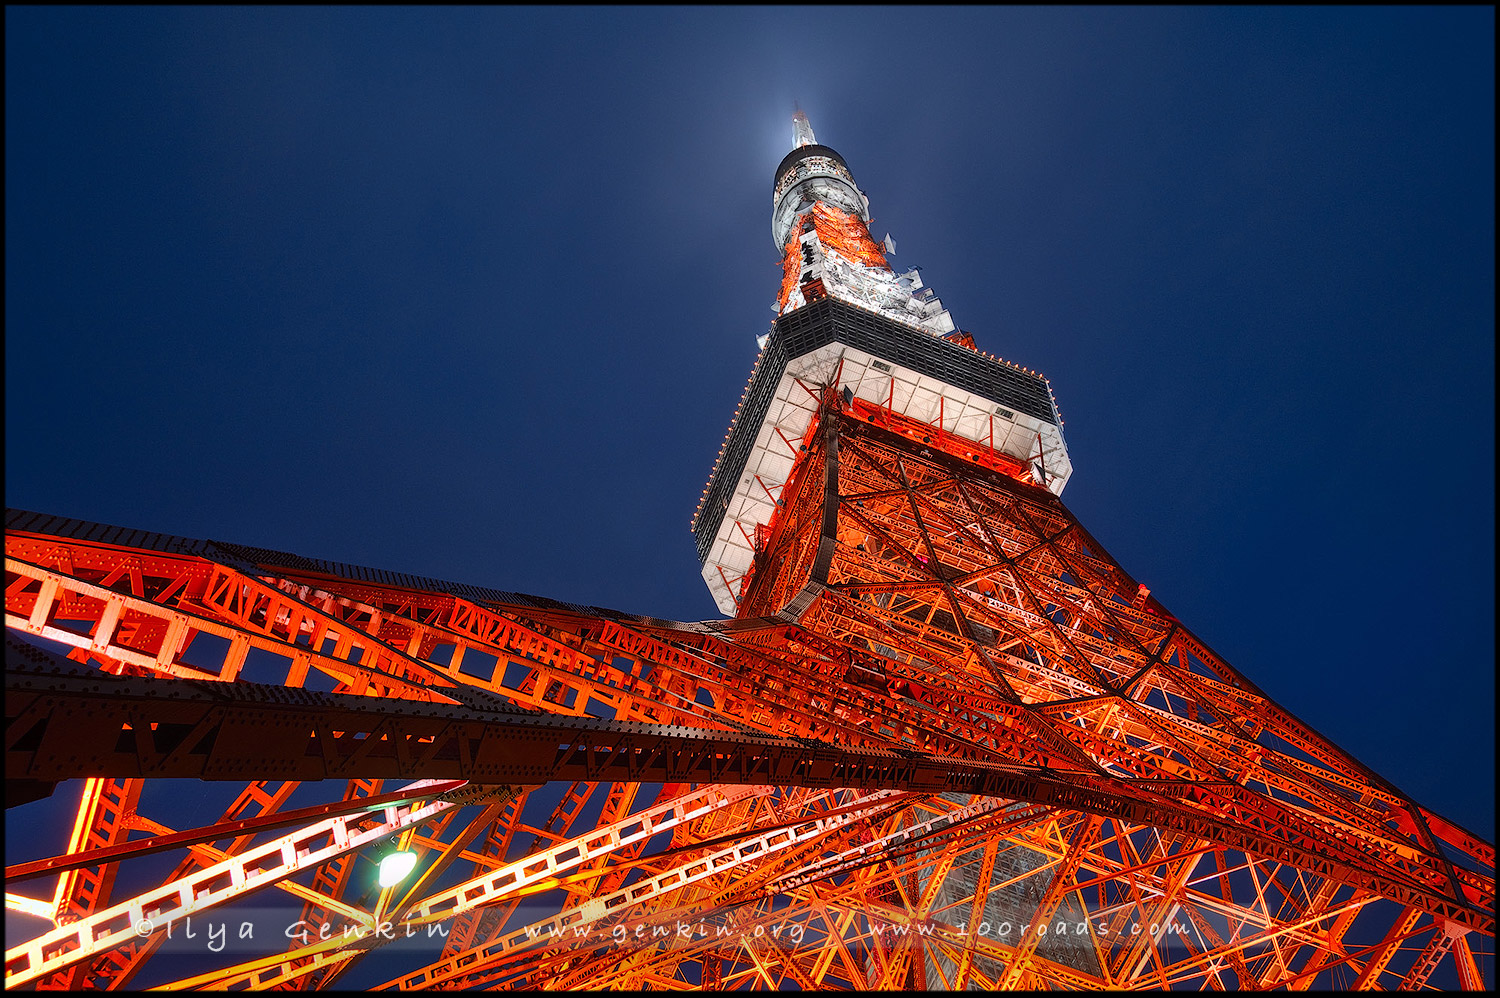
(473, 293)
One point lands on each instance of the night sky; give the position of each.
(473, 293)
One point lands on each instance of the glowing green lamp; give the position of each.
(396, 866)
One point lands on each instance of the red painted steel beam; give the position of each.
(65, 725)
(225, 829)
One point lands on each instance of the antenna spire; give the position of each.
(802, 133)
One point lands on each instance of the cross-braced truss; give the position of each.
(947, 743)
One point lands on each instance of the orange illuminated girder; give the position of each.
(847, 234)
(910, 595)
(836, 230)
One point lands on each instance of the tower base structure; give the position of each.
(950, 743)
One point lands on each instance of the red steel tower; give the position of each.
(943, 740)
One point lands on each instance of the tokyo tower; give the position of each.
(941, 740)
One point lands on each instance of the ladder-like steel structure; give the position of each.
(977, 687)
(944, 741)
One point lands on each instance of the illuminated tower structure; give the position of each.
(845, 319)
(943, 739)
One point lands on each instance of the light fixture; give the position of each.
(396, 866)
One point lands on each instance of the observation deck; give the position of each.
(1003, 409)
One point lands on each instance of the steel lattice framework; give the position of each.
(975, 686)
(945, 741)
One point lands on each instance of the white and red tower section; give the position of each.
(846, 319)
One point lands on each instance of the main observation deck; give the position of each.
(997, 405)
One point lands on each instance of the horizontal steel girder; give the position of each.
(65, 724)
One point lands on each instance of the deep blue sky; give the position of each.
(473, 293)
